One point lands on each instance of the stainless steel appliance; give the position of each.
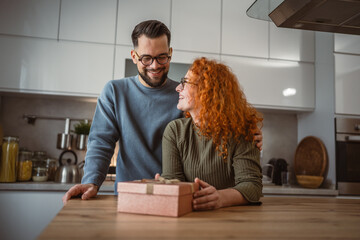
(339, 16)
(348, 155)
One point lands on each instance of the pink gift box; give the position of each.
(155, 197)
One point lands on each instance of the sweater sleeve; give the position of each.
(247, 170)
(102, 139)
(172, 167)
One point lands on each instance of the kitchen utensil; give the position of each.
(268, 173)
(285, 179)
(280, 165)
(67, 172)
(64, 140)
(81, 141)
(310, 161)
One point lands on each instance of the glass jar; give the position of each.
(51, 166)
(9, 157)
(39, 170)
(40, 155)
(24, 169)
(39, 174)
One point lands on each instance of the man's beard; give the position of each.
(149, 82)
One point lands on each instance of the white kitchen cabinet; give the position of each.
(34, 18)
(123, 57)
(242, 35)
(195, 25)
(347, 84)
(291, 44)
(132, 12)
(25, 214)
(88, 20)
(275, 84)
(344, 43)
(189, 57)
(122, 53)
(55, 67)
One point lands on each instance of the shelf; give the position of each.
(296, 190)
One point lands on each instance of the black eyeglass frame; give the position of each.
(183, 81)
(168, 56)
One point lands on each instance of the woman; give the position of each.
(214, 144)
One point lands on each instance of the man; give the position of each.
(135, 112)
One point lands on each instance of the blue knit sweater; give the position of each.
(136, 116)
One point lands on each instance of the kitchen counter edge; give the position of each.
(108, 186)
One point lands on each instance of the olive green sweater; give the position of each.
(187, 155)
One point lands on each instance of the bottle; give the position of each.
(24, 170)
(9, 157)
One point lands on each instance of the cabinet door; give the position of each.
(242, 35)
(122, 61)
(292, 44)
(344, 43)
(49, 66)
(189, 57)
(132, 12)
(275, 84)
(21, 208)
(195, 25)
(34, 18)
(347, 84)
(88, 20)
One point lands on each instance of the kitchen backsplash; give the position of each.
(279, 130)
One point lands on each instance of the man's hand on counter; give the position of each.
(85, 191)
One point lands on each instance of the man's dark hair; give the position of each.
(151, 29)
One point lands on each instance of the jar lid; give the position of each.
(39, 169)
(50, 161)
(10, 138)
(26, 153)
(39, 153)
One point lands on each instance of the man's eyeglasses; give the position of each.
(184, 80)
(147, 60)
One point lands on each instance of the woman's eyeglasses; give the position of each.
(184, 80)
(147, 60)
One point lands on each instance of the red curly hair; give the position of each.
(224, 112)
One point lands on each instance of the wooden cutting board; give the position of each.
(311, 157)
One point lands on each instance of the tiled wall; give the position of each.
(42, 136)
(279, 130)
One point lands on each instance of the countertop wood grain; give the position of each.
(108, 187)
(277, 218)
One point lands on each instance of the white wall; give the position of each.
(320, 122)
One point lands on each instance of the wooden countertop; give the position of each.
(108, 187)
(277, 218)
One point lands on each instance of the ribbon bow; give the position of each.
(161, 180)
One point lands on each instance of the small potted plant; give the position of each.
(82, 130)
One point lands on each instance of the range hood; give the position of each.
(338, 16)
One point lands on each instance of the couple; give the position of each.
(215, 143)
